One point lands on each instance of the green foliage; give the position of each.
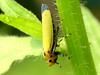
(92, 26)
(13, 48)
(17, 16)
(30, 27)
(75, 36)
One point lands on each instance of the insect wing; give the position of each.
(47, 28)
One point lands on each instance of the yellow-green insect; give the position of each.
(48, 36)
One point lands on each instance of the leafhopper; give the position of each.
(48, 36)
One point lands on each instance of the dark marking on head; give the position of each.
(50, 60)
(51, 56)
(49, 51)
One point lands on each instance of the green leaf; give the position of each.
(30, 27)
(76, 38)
(93, 28)
(14, 48)
(12, 8)
(20, 18)
(13, 51)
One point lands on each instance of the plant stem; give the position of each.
(75, 37)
